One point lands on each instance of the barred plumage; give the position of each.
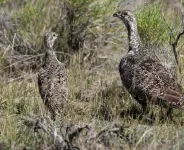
(52, 78)
(142, 73)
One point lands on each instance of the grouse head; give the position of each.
(49, 39)
(127, 17)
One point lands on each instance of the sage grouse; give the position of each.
(52, 78)
(145, 78)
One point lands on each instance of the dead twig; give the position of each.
(70, 137)
(175, 39)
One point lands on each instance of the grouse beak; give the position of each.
(117, 14)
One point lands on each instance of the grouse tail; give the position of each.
(174, 98)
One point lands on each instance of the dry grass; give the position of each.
(96, 97)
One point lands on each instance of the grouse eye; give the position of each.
(54, 34)
(125, 13)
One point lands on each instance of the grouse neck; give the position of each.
(133, 37)
(50, 55)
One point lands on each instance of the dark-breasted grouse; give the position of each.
(143, 75)
(52, 78)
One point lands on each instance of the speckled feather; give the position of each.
(52, 82)
(142, 73)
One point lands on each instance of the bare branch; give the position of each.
(69, 136)
(171, 30)
(175, 42)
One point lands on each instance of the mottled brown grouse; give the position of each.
(143, 75)
(52, 78)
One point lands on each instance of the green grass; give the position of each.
(151, 25)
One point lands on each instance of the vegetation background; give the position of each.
(91, 43)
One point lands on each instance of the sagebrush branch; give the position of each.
(69, 136)
(176, 39)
